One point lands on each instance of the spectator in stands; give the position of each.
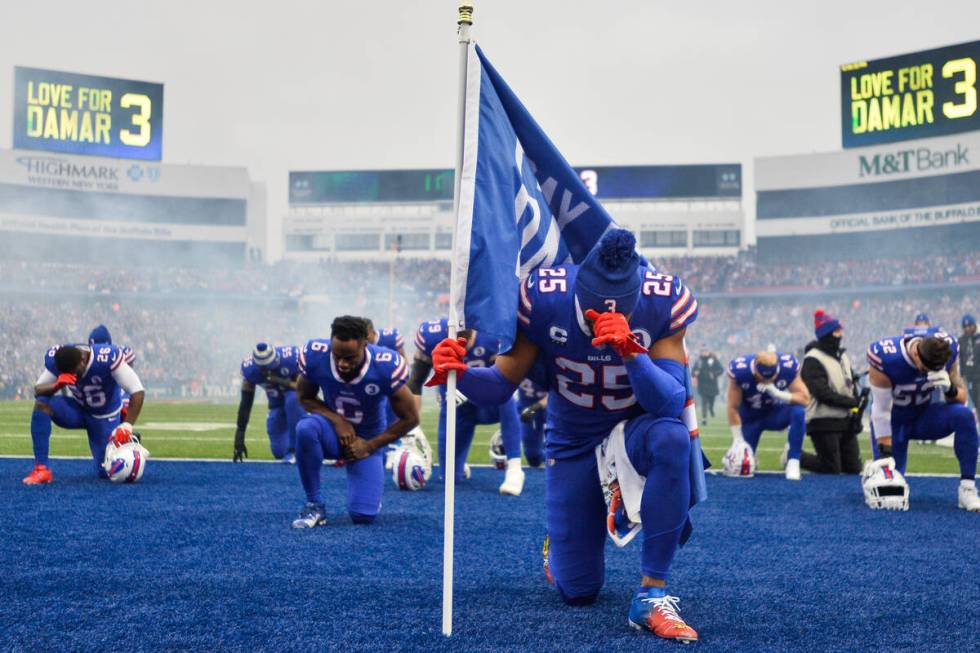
(707, 369)
(832, 419)
(970, 359)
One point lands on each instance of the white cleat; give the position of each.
(968, 499)
(513, 479)
(467, 472)
(793, 469)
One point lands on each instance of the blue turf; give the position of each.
(200, 557)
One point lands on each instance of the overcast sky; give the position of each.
(342, 84)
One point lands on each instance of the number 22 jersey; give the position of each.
(590, 390)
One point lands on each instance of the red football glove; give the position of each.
(448, 355)
(614, 330)
(64, 379)
(122, 433)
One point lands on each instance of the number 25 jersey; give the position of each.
(590, 390)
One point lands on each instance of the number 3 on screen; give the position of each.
(141, 119)
(967, 87)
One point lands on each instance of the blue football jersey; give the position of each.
(360, 401)
(589, 389)
(921, 331)
(756, 404)
(288, 368)
(390, 339)
(529, 392)
(911, 389)
(96, 390)
(481, 354)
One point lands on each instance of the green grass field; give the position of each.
(203, 430)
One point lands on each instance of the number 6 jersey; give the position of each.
(590, 391)
(361, 400)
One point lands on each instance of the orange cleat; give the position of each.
(40, 474)
(656, 612)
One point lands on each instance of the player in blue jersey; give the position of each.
(95, 378)
(389, 339)
(480, 352)
(765, 393)
(275, 369)
(610, 333)
(100, 336)
(357, 381)
(532, 403)
(905, 371)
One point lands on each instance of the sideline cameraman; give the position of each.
(833, 416)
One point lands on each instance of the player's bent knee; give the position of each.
(962, 417)
(578, 598)
(671, 440)
(361, 518)
(306, 430)
(41, 405)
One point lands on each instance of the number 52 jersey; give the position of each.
(361, 400)
(911, 388)
(590, 390)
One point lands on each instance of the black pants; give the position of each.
(837, 453)
(708, 405)
(973, 389)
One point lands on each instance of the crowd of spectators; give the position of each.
(740, 273)
(191, 326)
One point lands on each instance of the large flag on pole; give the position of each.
(520, 204)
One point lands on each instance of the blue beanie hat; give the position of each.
(265, 355)
(824, 323)
(922, 317)
(969, 320)
(100, 336)
(607, 278)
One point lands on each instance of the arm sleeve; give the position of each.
(816, 380)
(485, 386)
(420, 372)
(658, 385)
(245, 408)
(45, 378)
(881, 412)
(126, 378)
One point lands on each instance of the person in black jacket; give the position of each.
(970, 359)
(833, 416)
(707, 369)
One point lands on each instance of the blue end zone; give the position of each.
(200, 556)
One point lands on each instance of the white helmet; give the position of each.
(739, 461)
(884, 486)
(409, 471)
(416, 440)
(125, 463)
(497, 455)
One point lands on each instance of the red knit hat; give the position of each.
(824, 323)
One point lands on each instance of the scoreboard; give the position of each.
(83, 114)
(919, 95)
(434, 185)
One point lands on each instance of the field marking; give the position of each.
(711, 472)
(194, 427)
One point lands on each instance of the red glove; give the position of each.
(64, 379)
(122, 433)
(614, 330)
(448, 355)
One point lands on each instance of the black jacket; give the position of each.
(970, 357)
(706, 371)
(814, 375)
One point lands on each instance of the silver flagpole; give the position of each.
(464, 21)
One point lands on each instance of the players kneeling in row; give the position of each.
(357, 381)
(95, 377)
(905, 373)
(765, 393)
